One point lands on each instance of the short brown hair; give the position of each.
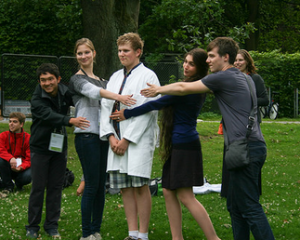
(133, 39)
(225, 45)
(20, 116)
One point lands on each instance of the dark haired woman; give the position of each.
(180, 147)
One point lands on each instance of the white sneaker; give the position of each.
(91, 237)
(97, 236)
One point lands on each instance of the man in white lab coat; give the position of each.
(132, 142)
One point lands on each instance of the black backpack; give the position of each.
(69, 178)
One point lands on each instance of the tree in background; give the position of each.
(277, 23)
(103, 22)
(51, 27)
(179, 25)
(46, 27)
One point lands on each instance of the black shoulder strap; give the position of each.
(251, 118)
(254, 107)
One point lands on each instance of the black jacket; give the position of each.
(49, 114)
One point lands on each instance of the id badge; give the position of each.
(56, 142)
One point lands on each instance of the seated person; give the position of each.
(15, 154)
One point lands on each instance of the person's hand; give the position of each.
(113, 143)
(17, 169)
(80, 189)
(122, 147)
(126, 100)
(118, 115)
(152, 91)
(80, 122)
(13, 163)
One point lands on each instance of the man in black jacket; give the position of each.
(48, 145)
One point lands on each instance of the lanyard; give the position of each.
(126, 75)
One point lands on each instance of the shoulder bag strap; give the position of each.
(251, 118)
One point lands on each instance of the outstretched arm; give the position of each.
(157, 104)
(179, 89)
(80, 122)
(125, 99)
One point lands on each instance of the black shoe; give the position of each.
(31, 233)
(53, 233)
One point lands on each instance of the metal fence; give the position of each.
(18, 77)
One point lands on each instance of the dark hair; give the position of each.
(250, 63)
(167, 113)
(225, 45)
(20, 116)
(133, 39)
(47, 68)
(199, 58)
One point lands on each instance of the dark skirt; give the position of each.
(184, 168)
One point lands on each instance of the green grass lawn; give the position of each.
(280, 179)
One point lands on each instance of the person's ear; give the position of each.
(58, 79)
(138, 52)
(226, 57)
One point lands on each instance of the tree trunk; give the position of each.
(103, 22)
(253, 16)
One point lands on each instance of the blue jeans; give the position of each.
(243, 198)
(92, 153)
(7, 175)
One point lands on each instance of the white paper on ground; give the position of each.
(207, 188)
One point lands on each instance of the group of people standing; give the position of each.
(129, 157)
(116, 130)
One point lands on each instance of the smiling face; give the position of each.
(189, 67)
(128, 57)
(15, 126)
(85, 55)
(49, 83)
(240, 63)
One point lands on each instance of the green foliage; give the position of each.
(39, 27)
(280, 26)
(180, 25)
(281, 73)
(173, 79)
(186, 24)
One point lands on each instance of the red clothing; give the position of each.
(18, 147)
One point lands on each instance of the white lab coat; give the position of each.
(141, 131)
